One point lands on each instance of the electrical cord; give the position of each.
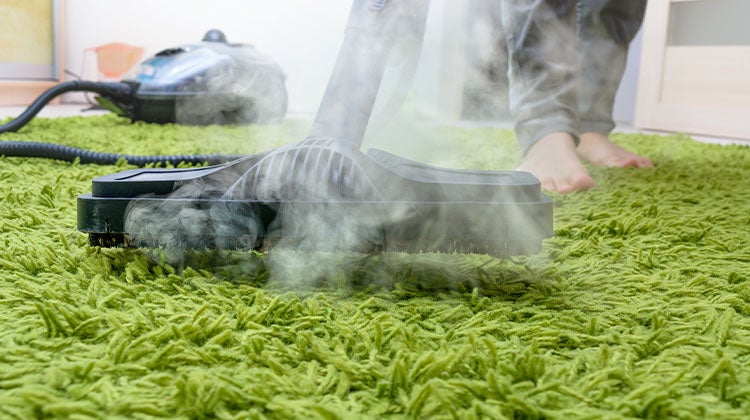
(122, 91)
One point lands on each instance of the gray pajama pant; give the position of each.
(565, 62)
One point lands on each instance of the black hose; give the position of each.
(121, 91)
(111, 89)
(67, 153)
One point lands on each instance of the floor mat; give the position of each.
(639, 306)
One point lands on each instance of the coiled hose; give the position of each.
(121, 91)
(69, 154)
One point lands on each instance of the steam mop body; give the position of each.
(323, 193)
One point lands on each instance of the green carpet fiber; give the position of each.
(638, 307)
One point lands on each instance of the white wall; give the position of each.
(303, 36)
(624, 110)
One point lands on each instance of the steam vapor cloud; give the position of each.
(322, 198)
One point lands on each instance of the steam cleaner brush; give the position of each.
(319, 194)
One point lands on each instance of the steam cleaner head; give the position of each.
(320, 194)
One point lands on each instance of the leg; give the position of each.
(543, 67)
(606, 28)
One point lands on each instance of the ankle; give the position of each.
(556, 142)
(593, 137)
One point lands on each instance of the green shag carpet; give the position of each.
(638, 307)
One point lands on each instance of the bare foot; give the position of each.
(599, 150)
(553, 160)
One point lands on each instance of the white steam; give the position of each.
(243, 86)
(322, 200)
